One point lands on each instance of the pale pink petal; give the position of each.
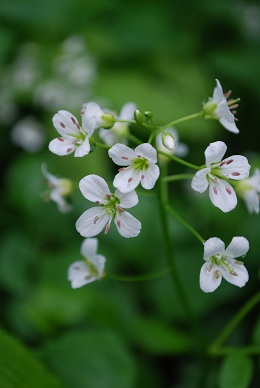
(209, 282)
(92, 222)
(83, 149)
(147, 151)
(61, 146)
(199, 181)
(213, 246)
(240, 276)
(127, 111)
(66, 123)
(215, 152)
(127, 225)
(121, 154)
(94, 188)
(127, 180)
(89, 247)
(235, 167)
(127, 200)
(222, 195)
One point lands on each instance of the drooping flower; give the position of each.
(118, 133)
(217, 107)
(109, 206)
(220, 262)
(58, 190)
(217, 173)
(91, 268)
(73, 136)
(249, 190)
(29, 134)
(94, 117)
(140, 166)
(179, 149)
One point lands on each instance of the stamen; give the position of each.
(239, 262)
(217, 274)
(62, 125)
(233, 273)
(97, 202)
(228, 190)
(130, 180)
(215, 190)
(95, 219)
(69, 149)
(120, 209)
(235, 173)
(227, 94)
(125, 157)
(107, 228)
(142, 176)
(118, 223)
(121, 169)
(229, 161)
(234, 106)
(108, 196)
(61, 139)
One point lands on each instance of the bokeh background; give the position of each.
(165, 57)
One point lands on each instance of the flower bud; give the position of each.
(138, 116)
(168, 140)
(148, 114)
(108, 120)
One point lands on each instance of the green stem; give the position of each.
(249, 350)
(179, 160)
(182, 119)
(214, 348)
(185, 223)
(140, 278)
(172, 264)
(177, 177)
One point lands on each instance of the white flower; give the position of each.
(94, 117)
(141, 166)
(179, 149)
(217, 107)
(217, 172)
(118, 133)
(221, 262)
(58, 189)
(89, 270)
(249, 190)
(73, 136)
(28, 133)
(109, 206)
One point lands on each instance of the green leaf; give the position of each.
(236, 371)
(96, 359)
(18, 367)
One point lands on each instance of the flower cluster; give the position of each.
(225, 178)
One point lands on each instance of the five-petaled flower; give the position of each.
(118, 133)
(58, 189)
(87, 270)
(217, 172)
(249, 190)
(140, 166)
(217, 107)
(109, 206)
(221, 262)
(73, 136)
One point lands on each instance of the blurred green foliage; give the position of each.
(164, 56)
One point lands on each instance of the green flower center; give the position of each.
(140, 163)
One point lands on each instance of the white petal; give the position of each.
(56, 196)
(108, 136)
(99, 263)
(88, 247)
(238, 247)
(61, 146)
(127, 111)
(229, 126)
(251, 198)
(241, 277)
(127, 180)
(213, 246)
(222, 195)
(127, 200)
(223, 112)
(92, 222)
(147, 151)
(150, 176)
(127, 225)
(79, 275)
(199, 181)
(235, 167)
(218, 93)
(208, 281)
(89, 123)
(94, 188)
(215, 152)
(83, 149)
(65, 123)
(51, 178)
(121, 154)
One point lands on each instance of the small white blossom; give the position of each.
(73, 136)
(118, 133)
(94, 117)
(59, 188)
(221, 262)
(249, 190)
(28, 133)
(217, 107)
(179, 149)
(87, 270)
(109, 206)
(141, 166)
(216, 174)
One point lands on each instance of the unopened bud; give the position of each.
(148, 114)
(168, 140)
(138, 116)
(108, 120)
